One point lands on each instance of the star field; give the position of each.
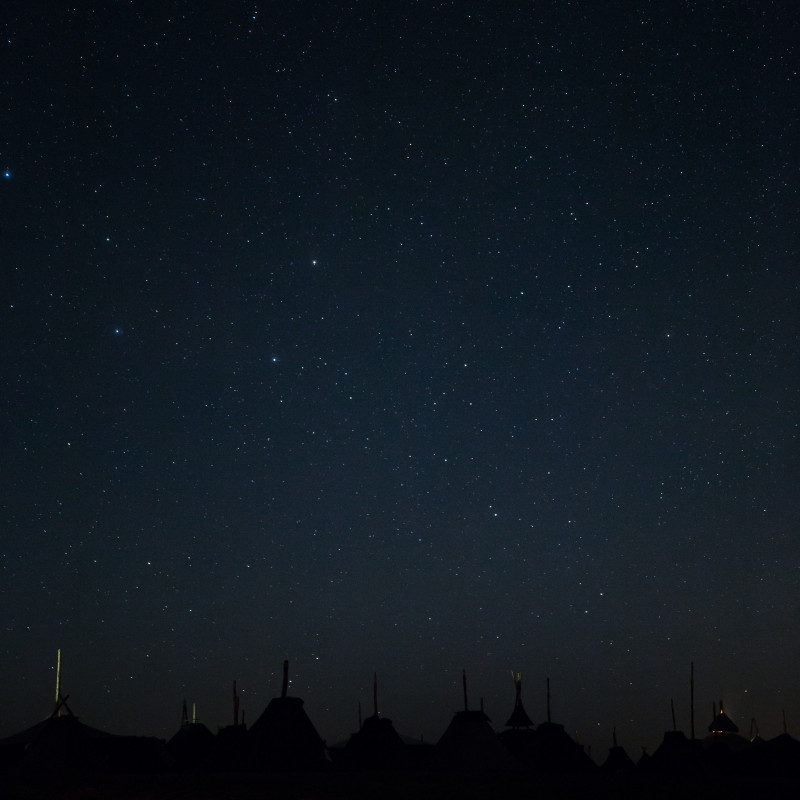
(406, 337)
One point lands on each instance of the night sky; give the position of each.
(403, 337)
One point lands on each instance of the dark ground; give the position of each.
(340, 786)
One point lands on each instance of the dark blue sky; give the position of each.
(405, 337)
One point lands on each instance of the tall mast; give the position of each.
(517, 688)
(58, 677)
(464, 685)
(285, 685)
(375, 693)
(548, 699)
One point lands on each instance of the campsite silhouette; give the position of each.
(470, 758)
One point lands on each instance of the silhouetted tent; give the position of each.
(554, 750)
(232, 744)
(776, 757)
(518, 718)
(470, 743)
(548, 748)
(283, 737)
(193, 746)
(520, 738)
(232, 740)
(618, 761)
(723, 737)
(377, 744)
(676, 755)
(521, 743)
(57, 744)
(722, 723)
(62, 743)
(644, 760)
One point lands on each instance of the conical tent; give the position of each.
(723, 735)
(470, 743)
(283, 737)
(618, 760)
(57, 744)
(62, 743)
(192, 746)
(519, 739)
(677, 755)
(722, 723)
(65, 744)
(554, 750)
(376, 744)
(518, 718)
(548, 748)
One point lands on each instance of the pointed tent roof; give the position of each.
(64, 743)
(377, 743)
(556, 750)
(548, 748)
(722, 723)
(283, 737)
(677, 755)
(470, 743)
(192, 745)
(723, 741)
(60, 742)
(518, 718)
(618, 760)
